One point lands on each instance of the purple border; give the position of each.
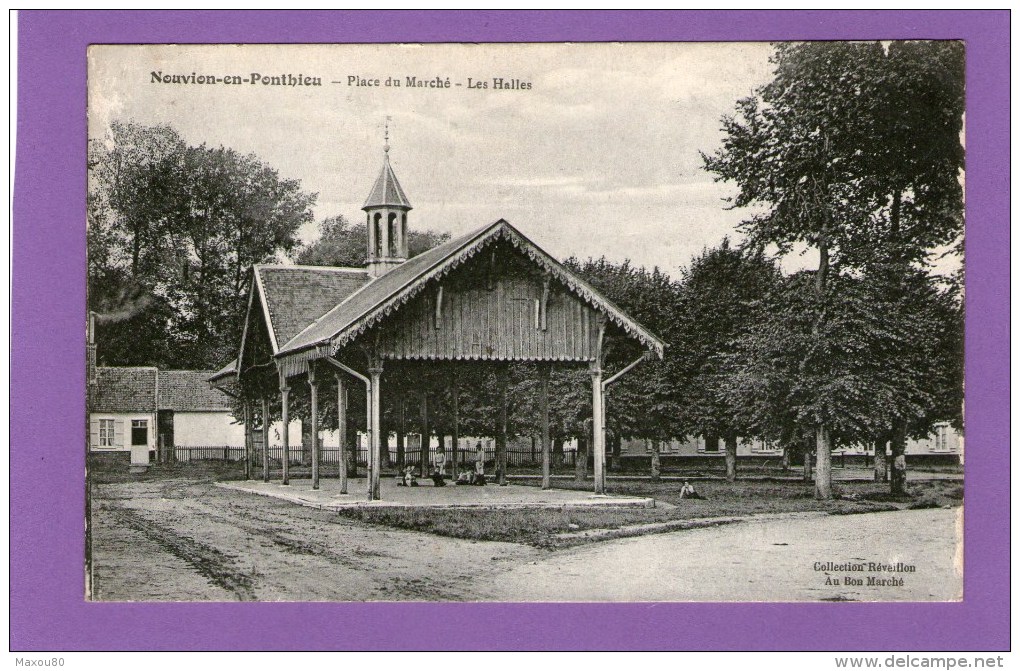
(47, 362)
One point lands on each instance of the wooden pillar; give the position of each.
(285, 430)
(341, 429)
(247, 439)
(265, 439)
(375, 371)
(501, 428)
(426, 436)
(313, 389)
(455, 435)
(543, 399)
(401, 429)
(370, 465)
(599, 429)
(598, 411)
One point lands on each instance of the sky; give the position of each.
(594, 152)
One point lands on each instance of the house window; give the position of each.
(106, 433)
(712, 444)
(942, 439)
(139, 432)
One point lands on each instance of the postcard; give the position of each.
(533, 326)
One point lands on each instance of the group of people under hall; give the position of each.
(477, 476)
(438, 474)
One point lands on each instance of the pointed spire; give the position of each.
(387, 191)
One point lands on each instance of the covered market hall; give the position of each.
(489, 298)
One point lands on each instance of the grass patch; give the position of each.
(542, 527)
(536, 526)
(108, 471)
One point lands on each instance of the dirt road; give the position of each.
(789, 559)
(181, 540)
(176, 540)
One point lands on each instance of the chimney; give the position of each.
(91, 351)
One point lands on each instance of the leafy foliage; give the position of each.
(719, 296)
(861, 373)
(822, 151)
(172, 231)
(344, 244)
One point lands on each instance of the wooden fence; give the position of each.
(516, 455)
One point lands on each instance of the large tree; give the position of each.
(172, 231)
(719, 293)
(830, 154)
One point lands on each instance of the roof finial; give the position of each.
(386, 136)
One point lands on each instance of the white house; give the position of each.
(123, 411)
(944, 441)
(194, 416)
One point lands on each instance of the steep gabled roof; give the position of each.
(292, 297)
(379, 297)
(386, 191)
(127, 389)
(189, 391)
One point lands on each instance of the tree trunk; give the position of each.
(881, 468)
(581, 459)
(731, 456)
(823, 441)
(455, 434)
(401, 430)
(614, 457)
(352, 449)
(426, 437)
(823, 471)
(543, 402)
(501, 428)
(898, 475)
(306, 442)
(655, 461)
(384, 441)
(247, 442)
(557, 452)
(807, 461)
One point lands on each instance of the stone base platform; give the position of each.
(490, 496)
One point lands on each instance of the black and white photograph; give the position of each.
(530, 322)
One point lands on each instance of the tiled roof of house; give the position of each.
(189, 391)
(296, 296)
(125, 390)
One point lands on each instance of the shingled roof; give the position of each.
(189, 391)
(386, 191)
(294, 296)
(377, 298)
(125, 390)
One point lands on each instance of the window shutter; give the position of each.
(118, 433)
(94, 433)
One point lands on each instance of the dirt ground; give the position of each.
(182, 539)
(791, 557)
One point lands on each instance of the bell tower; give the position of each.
(386, 217)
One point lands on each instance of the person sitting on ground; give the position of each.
(687, 491)
(410, 480)
(464, 477)
(439, 467)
